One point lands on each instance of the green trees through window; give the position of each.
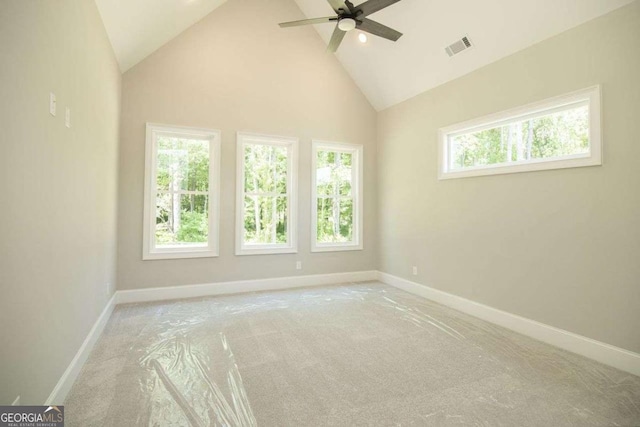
(181, 190)
(336, 196)
(265, 194)
(334, 192)
(182, 194)
(561, 134)
(182, 185)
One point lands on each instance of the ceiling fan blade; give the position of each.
(308, 21)
(340, 6)
(336, 39)
(378, 29)
(372, 6)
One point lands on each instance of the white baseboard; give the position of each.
(63, 386)
(604, 353)
(242, 286)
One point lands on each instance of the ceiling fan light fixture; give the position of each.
(349, 17)
(347, 24)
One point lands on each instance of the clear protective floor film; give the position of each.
(359, 354)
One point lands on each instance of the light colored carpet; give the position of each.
(360, 354)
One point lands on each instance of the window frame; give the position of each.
(211, 249)
(589, 96)
(357, 174)
(291, 143)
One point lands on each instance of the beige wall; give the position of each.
(561, 247)
(252, 77)
(58, 186)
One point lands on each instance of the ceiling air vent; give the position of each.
(459, 46)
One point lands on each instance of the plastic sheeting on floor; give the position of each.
(361, 354)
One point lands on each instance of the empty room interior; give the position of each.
(320, 212)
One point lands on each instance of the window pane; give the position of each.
(281, 169)
(265, 220)
(561, 134)
(345, 187)
(333, 173)
(335, 220)
(334, 191)
(345, 159)
(265, 169)
(182, 219)
(324, 159)
(182, 164)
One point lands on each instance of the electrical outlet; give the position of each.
(67, 117)
(415, 270)
(298, 265)
(16, 402)
(108, 288)
(52, 104)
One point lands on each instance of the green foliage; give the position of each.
(265, 219)
(335, 199)
(193, 228)
(182, 165)
(555, 135)
(265, 204)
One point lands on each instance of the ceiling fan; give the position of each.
(350, 17)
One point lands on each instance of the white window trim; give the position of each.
(589, 96)
(149, 251)
(357, 178)
(292, 194)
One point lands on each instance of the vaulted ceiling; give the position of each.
(386, 72)
(137, 28)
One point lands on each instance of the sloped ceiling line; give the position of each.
(386, 72)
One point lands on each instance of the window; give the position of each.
(336, 187)
(181, 192)
(266, 208)
(562, 132)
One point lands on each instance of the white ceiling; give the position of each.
(389, 73)
(137, 28)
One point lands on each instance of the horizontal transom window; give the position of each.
(557, 133)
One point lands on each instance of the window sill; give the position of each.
(531, 166)
(153, 256)
(266, 251)
(336, 248)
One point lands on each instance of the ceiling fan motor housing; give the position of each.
(347, 24)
